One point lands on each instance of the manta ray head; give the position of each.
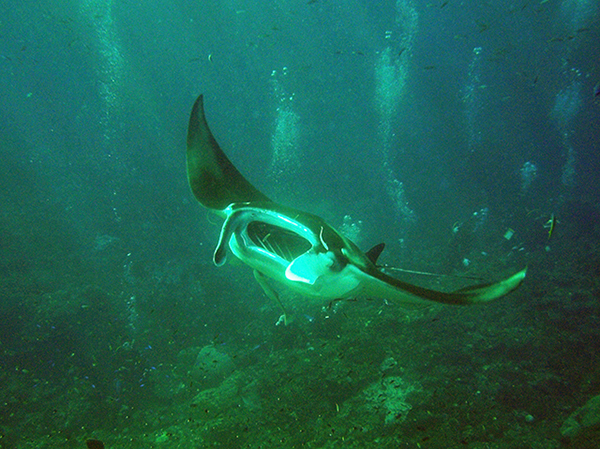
(298, 249)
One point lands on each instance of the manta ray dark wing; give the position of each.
(214, 180)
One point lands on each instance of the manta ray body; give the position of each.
(295, 248)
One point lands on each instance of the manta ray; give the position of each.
(295, 248)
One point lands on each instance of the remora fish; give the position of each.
(295, 248)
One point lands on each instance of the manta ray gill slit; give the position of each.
(282, 242)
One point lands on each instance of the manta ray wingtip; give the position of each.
(214, 180)
(489, 292)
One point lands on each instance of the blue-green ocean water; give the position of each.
(453, 131)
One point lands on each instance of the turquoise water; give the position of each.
(452, 133)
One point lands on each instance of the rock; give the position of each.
(238, 390)
(582, 428)
(389, 397)
(211, 367)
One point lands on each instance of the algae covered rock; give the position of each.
(582, 428)
(386, 401)
(211, 367)
(238, 391)
(390, 396)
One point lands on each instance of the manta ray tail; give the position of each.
(214, 180)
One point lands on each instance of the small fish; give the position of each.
(597, 90)
(482, 26)
(550, 225)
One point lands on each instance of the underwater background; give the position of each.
(465, 135)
